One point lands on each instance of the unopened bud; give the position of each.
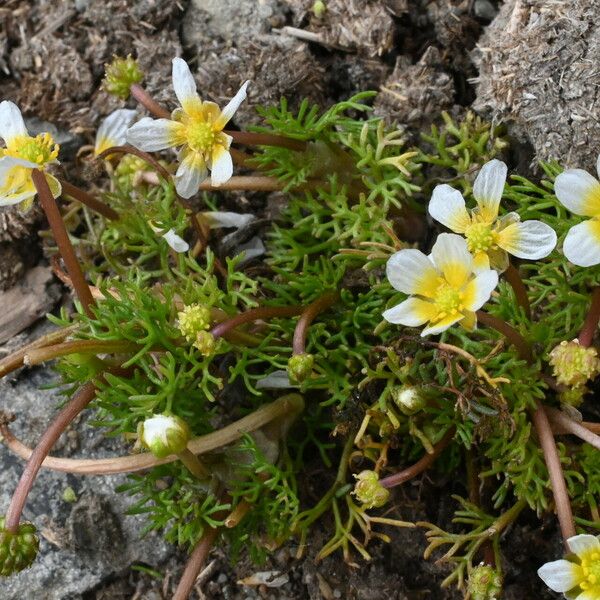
(300, 366)
(574, 364)
(368, 491)
(319, 8)
(193, 319)
(17, 550)
(409, 399)
(120, 75)
(485, 583)
(164, 435)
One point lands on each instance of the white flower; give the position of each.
(175, 241)
(578, 578)
(164, 435)
(491, 238)
(22, 154)
(196, 127)
(113, 130)
(444, 288)
(579, 191)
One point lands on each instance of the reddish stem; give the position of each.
(307, 317)
(557, 479)
(144, 98)
(62, 240)
(88, 200)
(510, 333)
(129, 149)
(590, 325)
(79, 401)
(263, 312)
(195, 564)
(421, 465)
(513, 277)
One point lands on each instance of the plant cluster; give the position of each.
(345, 346)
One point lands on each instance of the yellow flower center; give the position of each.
(590, 565)
(448, 300)
(200, 136)
(480, 237)
(41, 149)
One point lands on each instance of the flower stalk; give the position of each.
(586, 335)
(89, 200)
(62, 240)
(513, 277)
(309, 314)
(510, 333)
(263, 312)
(557, 479)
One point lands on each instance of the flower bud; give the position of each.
(368, 491)
(193, 319)
(319, 8)
(205, 342)
(164, 435)
(17, 550)
(485, 583)
(409, 399)
(120, 75)
(300, 366)
(574, 364)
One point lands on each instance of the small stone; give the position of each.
(484, 10)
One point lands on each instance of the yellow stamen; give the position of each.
(41, 149)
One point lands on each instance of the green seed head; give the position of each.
(368, 491)
(300, 366)
(164, 435)
(574, 364)
(319, 8)
(193, 319)
(120, 75)
(205, 342)
(17, 550)
(485, 583)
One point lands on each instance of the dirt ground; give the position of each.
(424, 56)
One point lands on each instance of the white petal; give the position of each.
(275, 381)
(488, 187)
(447, 206)
(217, 219)
(11, 121)
(578, 191)
(559, 575)
(252, 249)
(436, 328)
(113, 130)
(582, 244)
(579, 544)
(221, 168)
(587, 595)
(190, 174)
(184, 83)
(151, 134)
(412, 312)
(411, 272)
(450, 255)
(178, 244)
(232, 106)
(530, 239)
(480, 289)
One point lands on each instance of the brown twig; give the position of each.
(590, 324)
(79, 401)
(307, 317)
(36, 356)
(62, 240)
(263, 312)
(89, 200)
(510, 333)
(513, 277)
(421, 465)
(15, 360)
(568, 425)
(195, 563)
(557, 479)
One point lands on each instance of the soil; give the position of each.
(530, 63)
